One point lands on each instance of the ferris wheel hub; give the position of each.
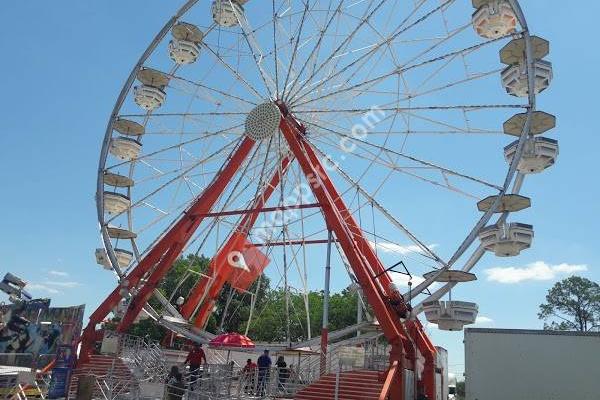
(263, 121)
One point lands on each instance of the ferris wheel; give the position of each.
(265, 134)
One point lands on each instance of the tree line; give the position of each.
(269, 317)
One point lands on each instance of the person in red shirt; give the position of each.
(195, 358)
(249, 373)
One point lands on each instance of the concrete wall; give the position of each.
(531, 365)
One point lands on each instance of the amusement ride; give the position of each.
(382, 140)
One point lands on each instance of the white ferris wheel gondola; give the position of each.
(128, 128)
(184, 48)
(540, 122)
(540, 153)
(116, 203)
(124, 257)
(120, 233)
(125, 148)
(515, 77)
(494, 18)
(451, 315)
(117, 181)
(150, 95)
(226, 12)
(507, 239)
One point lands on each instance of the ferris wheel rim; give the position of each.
(510, 177)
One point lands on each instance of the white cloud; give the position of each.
(36, 287)
(52, 287)
(388, 247)
(58, 273)
(65, 284)
(536, 271)
(481, 320)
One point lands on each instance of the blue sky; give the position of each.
(64, 64)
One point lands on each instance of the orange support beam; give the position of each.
(428, 350)
(160, 258)
(350, 236)
(390, 378)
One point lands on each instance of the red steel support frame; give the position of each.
(207, 289)
(160, 258)
(388, 304)
(427, 350)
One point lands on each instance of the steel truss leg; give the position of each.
(160, 258)
(427, 350)
(357, 249)
(388, 304)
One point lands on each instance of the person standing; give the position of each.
(421, 393)
(264, 366)
(248, 374)
(195, 358)
(173, 374)
(282, 373)
(176, 388)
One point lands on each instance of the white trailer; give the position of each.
(441, 374)
(503, 364)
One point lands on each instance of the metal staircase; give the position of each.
(119, 375)
(349, 385)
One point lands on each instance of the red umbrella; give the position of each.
(231, 341)
(234, 340)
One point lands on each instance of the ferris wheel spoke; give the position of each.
(406, 68)
(190, 116)
(178, 145)
(200, 114)
(276, 58)
(163, 174)
(211, 89)
(295, 50)
(411, 158)
(401, 29)
(255, 49)
(235, 73)
(426, 249)
(317, 46)
(450, 128)
(374, 159)
(364, 20)
(466, 107)
(451, 84)
(175, 179)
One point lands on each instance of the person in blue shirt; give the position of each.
(264, 366)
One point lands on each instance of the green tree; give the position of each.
(342, 309)
(269, 318)
(572, 304)
(460, 390)
(186, 269)
(233, 307)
